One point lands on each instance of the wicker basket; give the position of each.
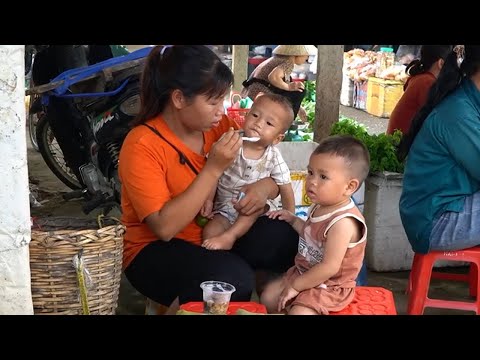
(58, 287)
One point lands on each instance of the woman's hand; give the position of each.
(296, 86)
(223, 152)
(254, 199)
(207, 208)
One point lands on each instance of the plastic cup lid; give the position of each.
(218, 286)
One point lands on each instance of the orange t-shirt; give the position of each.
(414, 97)
(151, 174)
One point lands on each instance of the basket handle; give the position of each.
(101, 218)
(232, 98)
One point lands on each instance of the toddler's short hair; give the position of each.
(282, 101)
(352, 150)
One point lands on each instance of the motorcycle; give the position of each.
(87, 112)
(53, 60)
(42, 63)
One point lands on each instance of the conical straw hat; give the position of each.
(293, 50)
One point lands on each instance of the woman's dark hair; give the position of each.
(192, 69)
(429, 54)
(448, 80)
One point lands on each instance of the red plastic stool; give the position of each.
(370, 301)
(422, 271)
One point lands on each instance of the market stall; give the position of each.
(372, 81)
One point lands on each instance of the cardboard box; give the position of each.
(382, 96)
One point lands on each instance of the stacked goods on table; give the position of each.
(358, 65)
(362, 67)
(386, 88)
(386, 68)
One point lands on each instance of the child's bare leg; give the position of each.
(301, 310)
(226, 240)
(216, 226)
(271, 294)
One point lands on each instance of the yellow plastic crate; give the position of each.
(382, 96)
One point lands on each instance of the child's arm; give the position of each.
(285, 215)
(338, 237)
(282, 176)
(297, 224)
(288, 198)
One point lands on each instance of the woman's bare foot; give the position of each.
(220, 242)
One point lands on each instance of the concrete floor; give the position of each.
(132, 303)
(374, 124)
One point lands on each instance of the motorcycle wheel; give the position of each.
(32, 124)
(52, 154)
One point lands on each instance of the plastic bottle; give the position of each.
(385, 59)
(389, 57)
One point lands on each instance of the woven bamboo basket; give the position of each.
(63, 286)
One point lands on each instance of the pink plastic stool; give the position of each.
(422, 271)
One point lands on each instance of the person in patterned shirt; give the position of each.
(332, 240)
(268, 119)
(274, 76)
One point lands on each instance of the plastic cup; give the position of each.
(216, 297)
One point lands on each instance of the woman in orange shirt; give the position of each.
(423, 73)
(166, 177)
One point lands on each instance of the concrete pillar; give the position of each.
(239, 66)
(328, 87)
(15, 291)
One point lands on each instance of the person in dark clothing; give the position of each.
(49, 62)
(99, 53)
